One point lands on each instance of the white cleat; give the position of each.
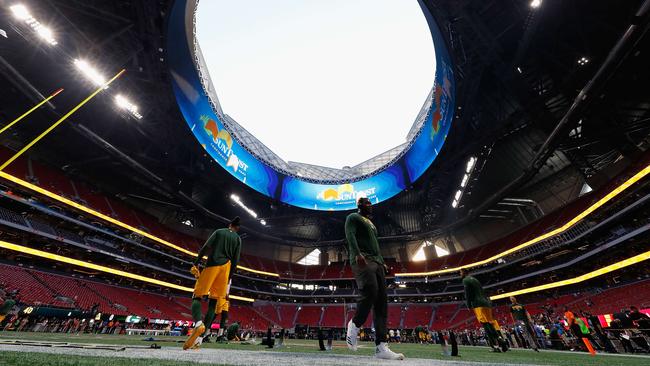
(382, 351)
(352, 335)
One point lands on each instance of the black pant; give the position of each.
(371, 280)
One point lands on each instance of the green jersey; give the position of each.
(361, 235)
(518, 312)
(583, 327)
(232, 330)
(5, 308)
(222, 246)
(474, 294)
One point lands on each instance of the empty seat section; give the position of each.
(394, 318)
(94, 200)
(443, 315)
(287, 315)
(334, 316)
(69, 287)
(269, 311)
(123, 213)
(31, 291)
(18, 168)
(309, 315)
(416, 315)
(53, 180)
(248, 318)
(465, 318)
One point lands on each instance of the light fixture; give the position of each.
(535, 4)
(470, 164)
(519, 69)
(238, 201)
(463, 183)
(583, 61)
(263, 222)
(126, 104)
(20, 12)
(90, 72)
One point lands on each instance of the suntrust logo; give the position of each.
(223, 144)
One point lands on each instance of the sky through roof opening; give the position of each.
(330, 83)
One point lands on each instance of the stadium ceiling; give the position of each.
(520, 73)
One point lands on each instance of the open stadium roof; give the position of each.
(301, 100)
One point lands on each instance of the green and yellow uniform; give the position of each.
(478, 302)
(361, 235)
(519, 312)
(222, 249)
(6, 308)
(231, 332)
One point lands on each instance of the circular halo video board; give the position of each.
(193, 91)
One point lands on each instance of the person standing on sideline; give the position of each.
(370, 274)
(482, 307)
(522, 319)
(222, 248)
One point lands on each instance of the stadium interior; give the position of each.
(541, 189)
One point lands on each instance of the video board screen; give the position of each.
(234, 159)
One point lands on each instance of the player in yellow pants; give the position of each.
(213, 283)
(482, 307)
(484, 315)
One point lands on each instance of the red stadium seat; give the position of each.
(309, 315)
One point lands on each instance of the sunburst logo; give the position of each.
(212, 129)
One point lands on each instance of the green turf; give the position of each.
(476, 354)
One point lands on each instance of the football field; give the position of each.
(295, 352)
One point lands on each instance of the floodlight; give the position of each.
(20, 12)
(90, 72)
(126, 104)
(238, 201)
(470, 164)
(463, 183)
